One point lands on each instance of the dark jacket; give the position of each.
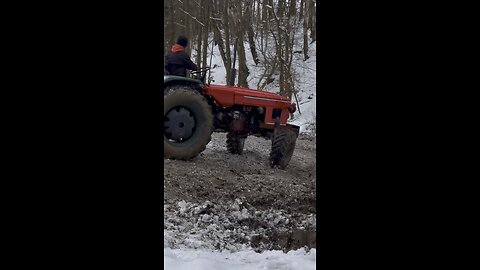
(177, 61)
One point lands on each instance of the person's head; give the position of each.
(183, 41)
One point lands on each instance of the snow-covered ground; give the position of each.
(181, 259)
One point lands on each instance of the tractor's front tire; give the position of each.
(283, 146)
(188, 123)
(235, 143)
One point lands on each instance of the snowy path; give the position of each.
(179, 259)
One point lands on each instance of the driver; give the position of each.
(177, 60)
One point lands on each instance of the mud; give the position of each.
(272, 208)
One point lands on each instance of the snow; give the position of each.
(189, 259)
(224, 226)
(196, 237)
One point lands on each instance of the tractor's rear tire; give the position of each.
(283, 146)
(235, 143)
(188, 123)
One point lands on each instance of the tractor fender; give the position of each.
(171, 80)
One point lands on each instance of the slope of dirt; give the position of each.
(217, 180)
(218, 176)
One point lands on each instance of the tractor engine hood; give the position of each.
(227, 96)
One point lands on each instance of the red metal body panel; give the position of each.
(224, 96)
(227, 96)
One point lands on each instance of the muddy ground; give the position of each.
(225, 201)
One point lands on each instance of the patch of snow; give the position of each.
(189, 259)
(226, 227)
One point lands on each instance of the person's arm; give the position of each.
(166, 60)
(165, 64)
(189, 64)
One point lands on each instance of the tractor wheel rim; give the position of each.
(179, 124)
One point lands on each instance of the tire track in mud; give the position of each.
(218, 176)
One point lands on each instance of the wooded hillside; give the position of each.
(263, 28)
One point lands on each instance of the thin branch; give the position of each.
(195, 18)
(198, 4)
(181, 25)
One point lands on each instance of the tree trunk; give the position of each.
(305, 37)
(249, 26)
(300, 16)
(206, 20)
(312, 21)
(171, 17)
(243, 72)
(292, 9)
(228, 52)
(188, 27)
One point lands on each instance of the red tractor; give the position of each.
(194, 109)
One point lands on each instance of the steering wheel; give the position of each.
(200, 74)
